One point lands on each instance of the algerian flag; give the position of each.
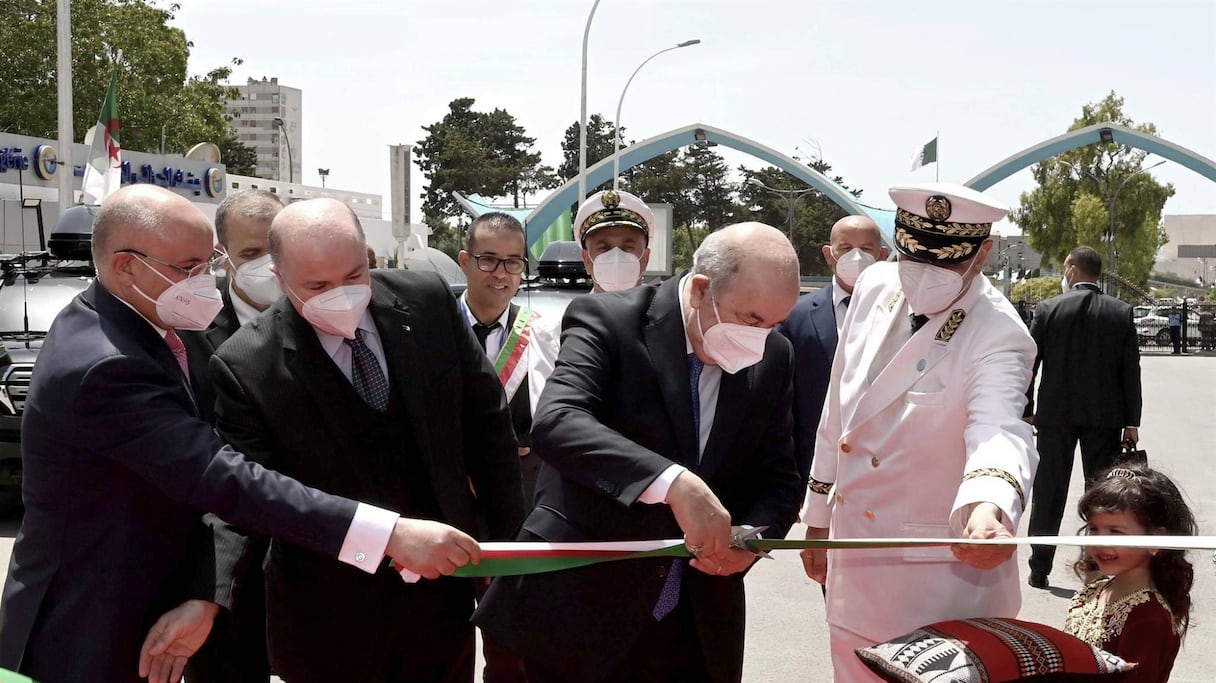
(927, 155)
(103, 174)
(561, 229)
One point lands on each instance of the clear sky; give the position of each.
(869, 80)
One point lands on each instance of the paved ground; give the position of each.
(786, 637)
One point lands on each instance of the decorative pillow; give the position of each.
(990, 651)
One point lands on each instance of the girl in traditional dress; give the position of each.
(1139, 606)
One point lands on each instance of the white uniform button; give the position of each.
(839, 499)
(359, 557)
(844, 447)
(875, 462)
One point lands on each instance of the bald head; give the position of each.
(747, 248)
(141, 216)
(850, 233)
(327, 221)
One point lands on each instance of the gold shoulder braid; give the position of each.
(894, 300)
(820, 487)
(999, 474)
(952, 324)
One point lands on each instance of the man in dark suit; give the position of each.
(814, 326)
(235, 652)
(371, 385)
(668, 412)
(1089, 392)
(119, 463)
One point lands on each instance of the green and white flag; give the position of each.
(927, 155)
(103, 173)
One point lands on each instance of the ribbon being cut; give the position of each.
(511, 558)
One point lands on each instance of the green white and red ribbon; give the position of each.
(517, 558)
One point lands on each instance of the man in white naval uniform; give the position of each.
(922, 433)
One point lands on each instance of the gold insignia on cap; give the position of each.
(952, 324)
(938, 207)
(611, 199)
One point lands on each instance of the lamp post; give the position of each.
(582, 126)
(791, 199)
(291, 170)
(616, 153)
(324, 173)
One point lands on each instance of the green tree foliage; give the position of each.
(155, 94)
(1035, 289)
(814, 213)
(238, 157)
(1071, 204)
(486, 153)
(599, 146)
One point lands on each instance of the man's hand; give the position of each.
(177, 635)
(705, 523)
(524, 450)
(815, 560)
(985, 522)
(431, 549)
(737, 560)
(1131, 435)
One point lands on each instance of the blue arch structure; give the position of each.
(1099, 132)
(560, 199)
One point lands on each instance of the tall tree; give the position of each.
(487, 153)
(156, 97)
(814, 213)
(1072, 203)
(600, 138)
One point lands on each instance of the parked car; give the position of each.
(34, 287)
(1154, 328)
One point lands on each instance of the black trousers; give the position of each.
(235, 652)
(1057, 444)
(1176, 338)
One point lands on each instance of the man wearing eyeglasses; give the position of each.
(119, 461)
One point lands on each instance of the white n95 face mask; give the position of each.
(732, 346)
(257, 281)
(187, 305)
(616, 270)
(850, 265)
(338, 310)
(930, 289)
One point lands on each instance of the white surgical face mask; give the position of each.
(258, 282)
(616, 270)
(930, 289)
(337, 311)
(850, 265)
(187, 305)
(732, 346)
(1064, 284)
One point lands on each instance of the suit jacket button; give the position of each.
(844, 447)
(874, 461)
(662, 572)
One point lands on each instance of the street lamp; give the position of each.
(324, 173)
(616, 153)
(291, 170)
(791, 199)
(582, 127)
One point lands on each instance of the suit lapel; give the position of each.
(733, 395)
(823, 319)
(311, 366)
(666, 343)
(395, 322)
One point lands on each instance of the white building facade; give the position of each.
(268, 117)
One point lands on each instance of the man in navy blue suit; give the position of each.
(814, 326)
(119, 461)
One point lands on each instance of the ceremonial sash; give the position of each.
(509, 364)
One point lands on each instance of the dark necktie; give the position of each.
(918, 321)
(483, 332)
(845, 301)
(669, 597)
(366, 374)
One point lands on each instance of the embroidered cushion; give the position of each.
(990, 651)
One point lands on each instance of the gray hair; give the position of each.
(135, 216)
(258, 204)
(718, 260)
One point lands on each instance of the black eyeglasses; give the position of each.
(488, 264)
(217, 259)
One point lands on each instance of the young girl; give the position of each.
(1140, 606)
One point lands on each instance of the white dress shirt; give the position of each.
(497, 336)
(838, 307)
(243, 310)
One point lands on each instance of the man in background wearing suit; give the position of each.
(814, 325)
(1089, 392)
(235, 652)
(119, 462)
(371, 385)
(668, 413)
